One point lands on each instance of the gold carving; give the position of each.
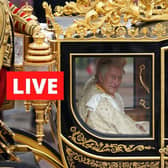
(39, 51)
(41, 107)
(6, 46)
(142, 102)
(79, 138)
(111, 19)
(50, 20)
(141, 69)
(99, 27)
(81, 7)
(143, 10)
(73, 157)
(164, 150)
(7, 140)
(159, 30)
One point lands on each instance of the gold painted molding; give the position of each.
(73, 157)
(39, 150)
(80, 139)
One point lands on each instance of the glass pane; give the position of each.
(114, 93)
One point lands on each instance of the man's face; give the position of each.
(111, 80)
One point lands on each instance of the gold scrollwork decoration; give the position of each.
(142, 102)
(79, 138)
(111, 18)
(143, 10)
(73, 157)
(164, 150)
(80, 7)
(89, 28)
(141, 70)
(50, 20)
(159, 30)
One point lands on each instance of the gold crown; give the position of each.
(28, 9)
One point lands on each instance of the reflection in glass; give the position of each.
(107, 97)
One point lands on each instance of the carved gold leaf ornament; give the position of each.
(141, 70)
(50, 18)
(80, 139)
(110, 18)
(144, 31)
(81, 7)
(133, 32)
(159, 30)
(121, 31)
(164, 150)
(73, 157)
(107, 29)
(145, 10)
(142, 102)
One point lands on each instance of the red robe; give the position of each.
(3, 72)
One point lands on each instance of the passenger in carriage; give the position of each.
(101, 107)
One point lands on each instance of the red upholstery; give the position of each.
(3, 88)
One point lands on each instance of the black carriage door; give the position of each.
(87, 144)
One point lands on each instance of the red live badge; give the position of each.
(35, 86)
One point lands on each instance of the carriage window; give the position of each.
(114, 93)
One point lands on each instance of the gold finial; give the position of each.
(40, 107)
(27, 9)
(39, 51)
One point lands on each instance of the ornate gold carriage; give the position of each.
(82, 32)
